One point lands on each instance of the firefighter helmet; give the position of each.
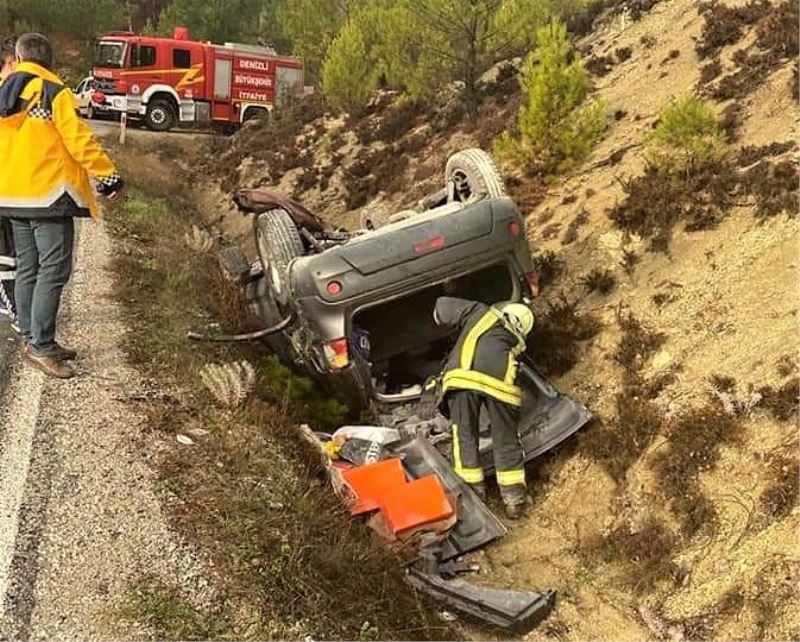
(519, 316)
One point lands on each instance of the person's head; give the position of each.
(36, 48)
(8, 57)
(519, 316)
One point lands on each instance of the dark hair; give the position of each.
(34, 47)
(8, 48)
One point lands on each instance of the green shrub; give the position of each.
(687, 137)
(348, 76)
(557, 128)
(300, 395)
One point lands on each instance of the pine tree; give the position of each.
(556, 127)
(348, 77)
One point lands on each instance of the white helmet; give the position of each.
(519, 316)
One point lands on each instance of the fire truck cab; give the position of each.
(166, 81)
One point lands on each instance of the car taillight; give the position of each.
(336, 354)
(533, 281)
(334, 288)
(98, 97)
(431, 245)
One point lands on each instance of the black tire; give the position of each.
(472, 176)
(160, 115)
(89, 112)
(278, 242)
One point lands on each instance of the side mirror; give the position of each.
(136, 58)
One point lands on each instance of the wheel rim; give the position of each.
(158, 116)
(463, 190)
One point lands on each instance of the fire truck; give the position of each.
(167, 81)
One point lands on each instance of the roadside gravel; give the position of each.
(80, 518)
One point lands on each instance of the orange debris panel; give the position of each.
(373, 481)
(417, 503)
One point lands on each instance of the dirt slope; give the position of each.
(693, 536)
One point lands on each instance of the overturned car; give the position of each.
(354, 310)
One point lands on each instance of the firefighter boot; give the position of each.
(515, 500)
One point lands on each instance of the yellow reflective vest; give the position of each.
(47, 153)
(484, 358)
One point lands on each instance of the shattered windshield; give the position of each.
(109, 54)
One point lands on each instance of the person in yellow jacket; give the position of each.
(48, 155)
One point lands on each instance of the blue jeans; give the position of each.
(44, 264)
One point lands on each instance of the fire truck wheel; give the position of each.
(472, 176)
(160, 115)
(278, 242)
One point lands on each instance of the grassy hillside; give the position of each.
(670, 310)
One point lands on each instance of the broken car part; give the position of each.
(517, 611)
(247, 336)
(477, 525)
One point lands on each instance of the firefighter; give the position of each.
(481, 372)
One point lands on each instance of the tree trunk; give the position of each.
(471, 70)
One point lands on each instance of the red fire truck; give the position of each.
(166, 81)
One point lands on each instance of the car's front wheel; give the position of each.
(278, 242)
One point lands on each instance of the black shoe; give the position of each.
(516, 511)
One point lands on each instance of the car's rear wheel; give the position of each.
(278, 242)
(472, 176)
(89, 112)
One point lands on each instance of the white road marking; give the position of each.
(18, 419)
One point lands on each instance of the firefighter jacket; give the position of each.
(484, 358)
(47, 151)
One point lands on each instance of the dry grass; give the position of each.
(644, 554)
(694, 440)
(560, 331)
(289, 562)
(616, 444)
(599, 280)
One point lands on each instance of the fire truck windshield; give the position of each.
(109, 53)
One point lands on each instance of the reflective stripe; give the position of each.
(8, 276)
(511, 477)
(44, 201)
(480, 382)
(8, 260)
(469, 475)
(486, 322)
